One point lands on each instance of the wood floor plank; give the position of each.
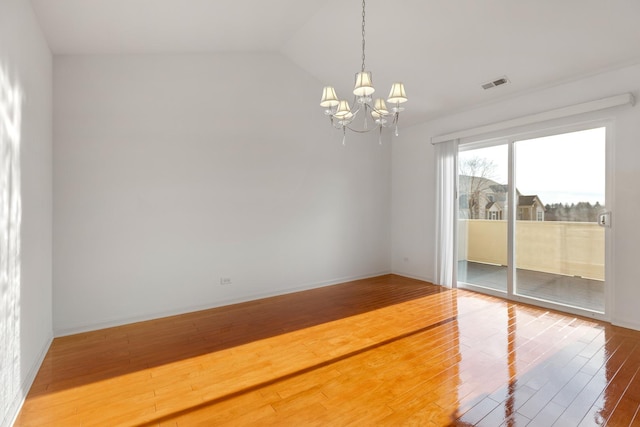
(382, 351)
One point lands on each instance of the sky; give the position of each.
(565, 168)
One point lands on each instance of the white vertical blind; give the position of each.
(446, 179)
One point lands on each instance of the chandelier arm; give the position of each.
(378, 111)
(375, 110)
(360, 131)
(369, 106)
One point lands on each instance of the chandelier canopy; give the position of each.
(339, 110)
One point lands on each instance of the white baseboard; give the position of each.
(412, 276)
(626, 324)
(213, 304)
(18, 401)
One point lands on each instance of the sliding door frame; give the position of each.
(543, 131)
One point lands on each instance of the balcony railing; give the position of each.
(557, 247)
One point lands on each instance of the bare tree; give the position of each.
(475, 180)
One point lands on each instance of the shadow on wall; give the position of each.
(10, 218)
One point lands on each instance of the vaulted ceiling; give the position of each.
(443, 50)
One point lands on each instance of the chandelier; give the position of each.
(340, 113)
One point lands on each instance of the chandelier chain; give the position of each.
(363, 43)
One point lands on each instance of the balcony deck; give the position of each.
(574, 291)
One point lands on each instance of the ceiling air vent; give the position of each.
(497, 82)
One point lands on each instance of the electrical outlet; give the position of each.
(225, 280)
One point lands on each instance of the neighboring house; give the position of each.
(496, 207)
(483, 198)
(495, 210)
(530, 208)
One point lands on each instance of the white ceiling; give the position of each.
(443, 50)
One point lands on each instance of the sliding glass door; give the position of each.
(532, 219)
(483, 193)
(560, 248)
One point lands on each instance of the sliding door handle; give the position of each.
(604, 219)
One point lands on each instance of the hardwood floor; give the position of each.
(381, 351)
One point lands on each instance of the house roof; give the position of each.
(479, 182)
(528, 200)
(484, 184)
(489, 185)
(499, 188)
(496, 204)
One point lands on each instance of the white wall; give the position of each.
(413, 219)
(26, 315)
(171, 172)
(412, 207)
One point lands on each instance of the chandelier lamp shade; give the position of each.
(343, 117)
